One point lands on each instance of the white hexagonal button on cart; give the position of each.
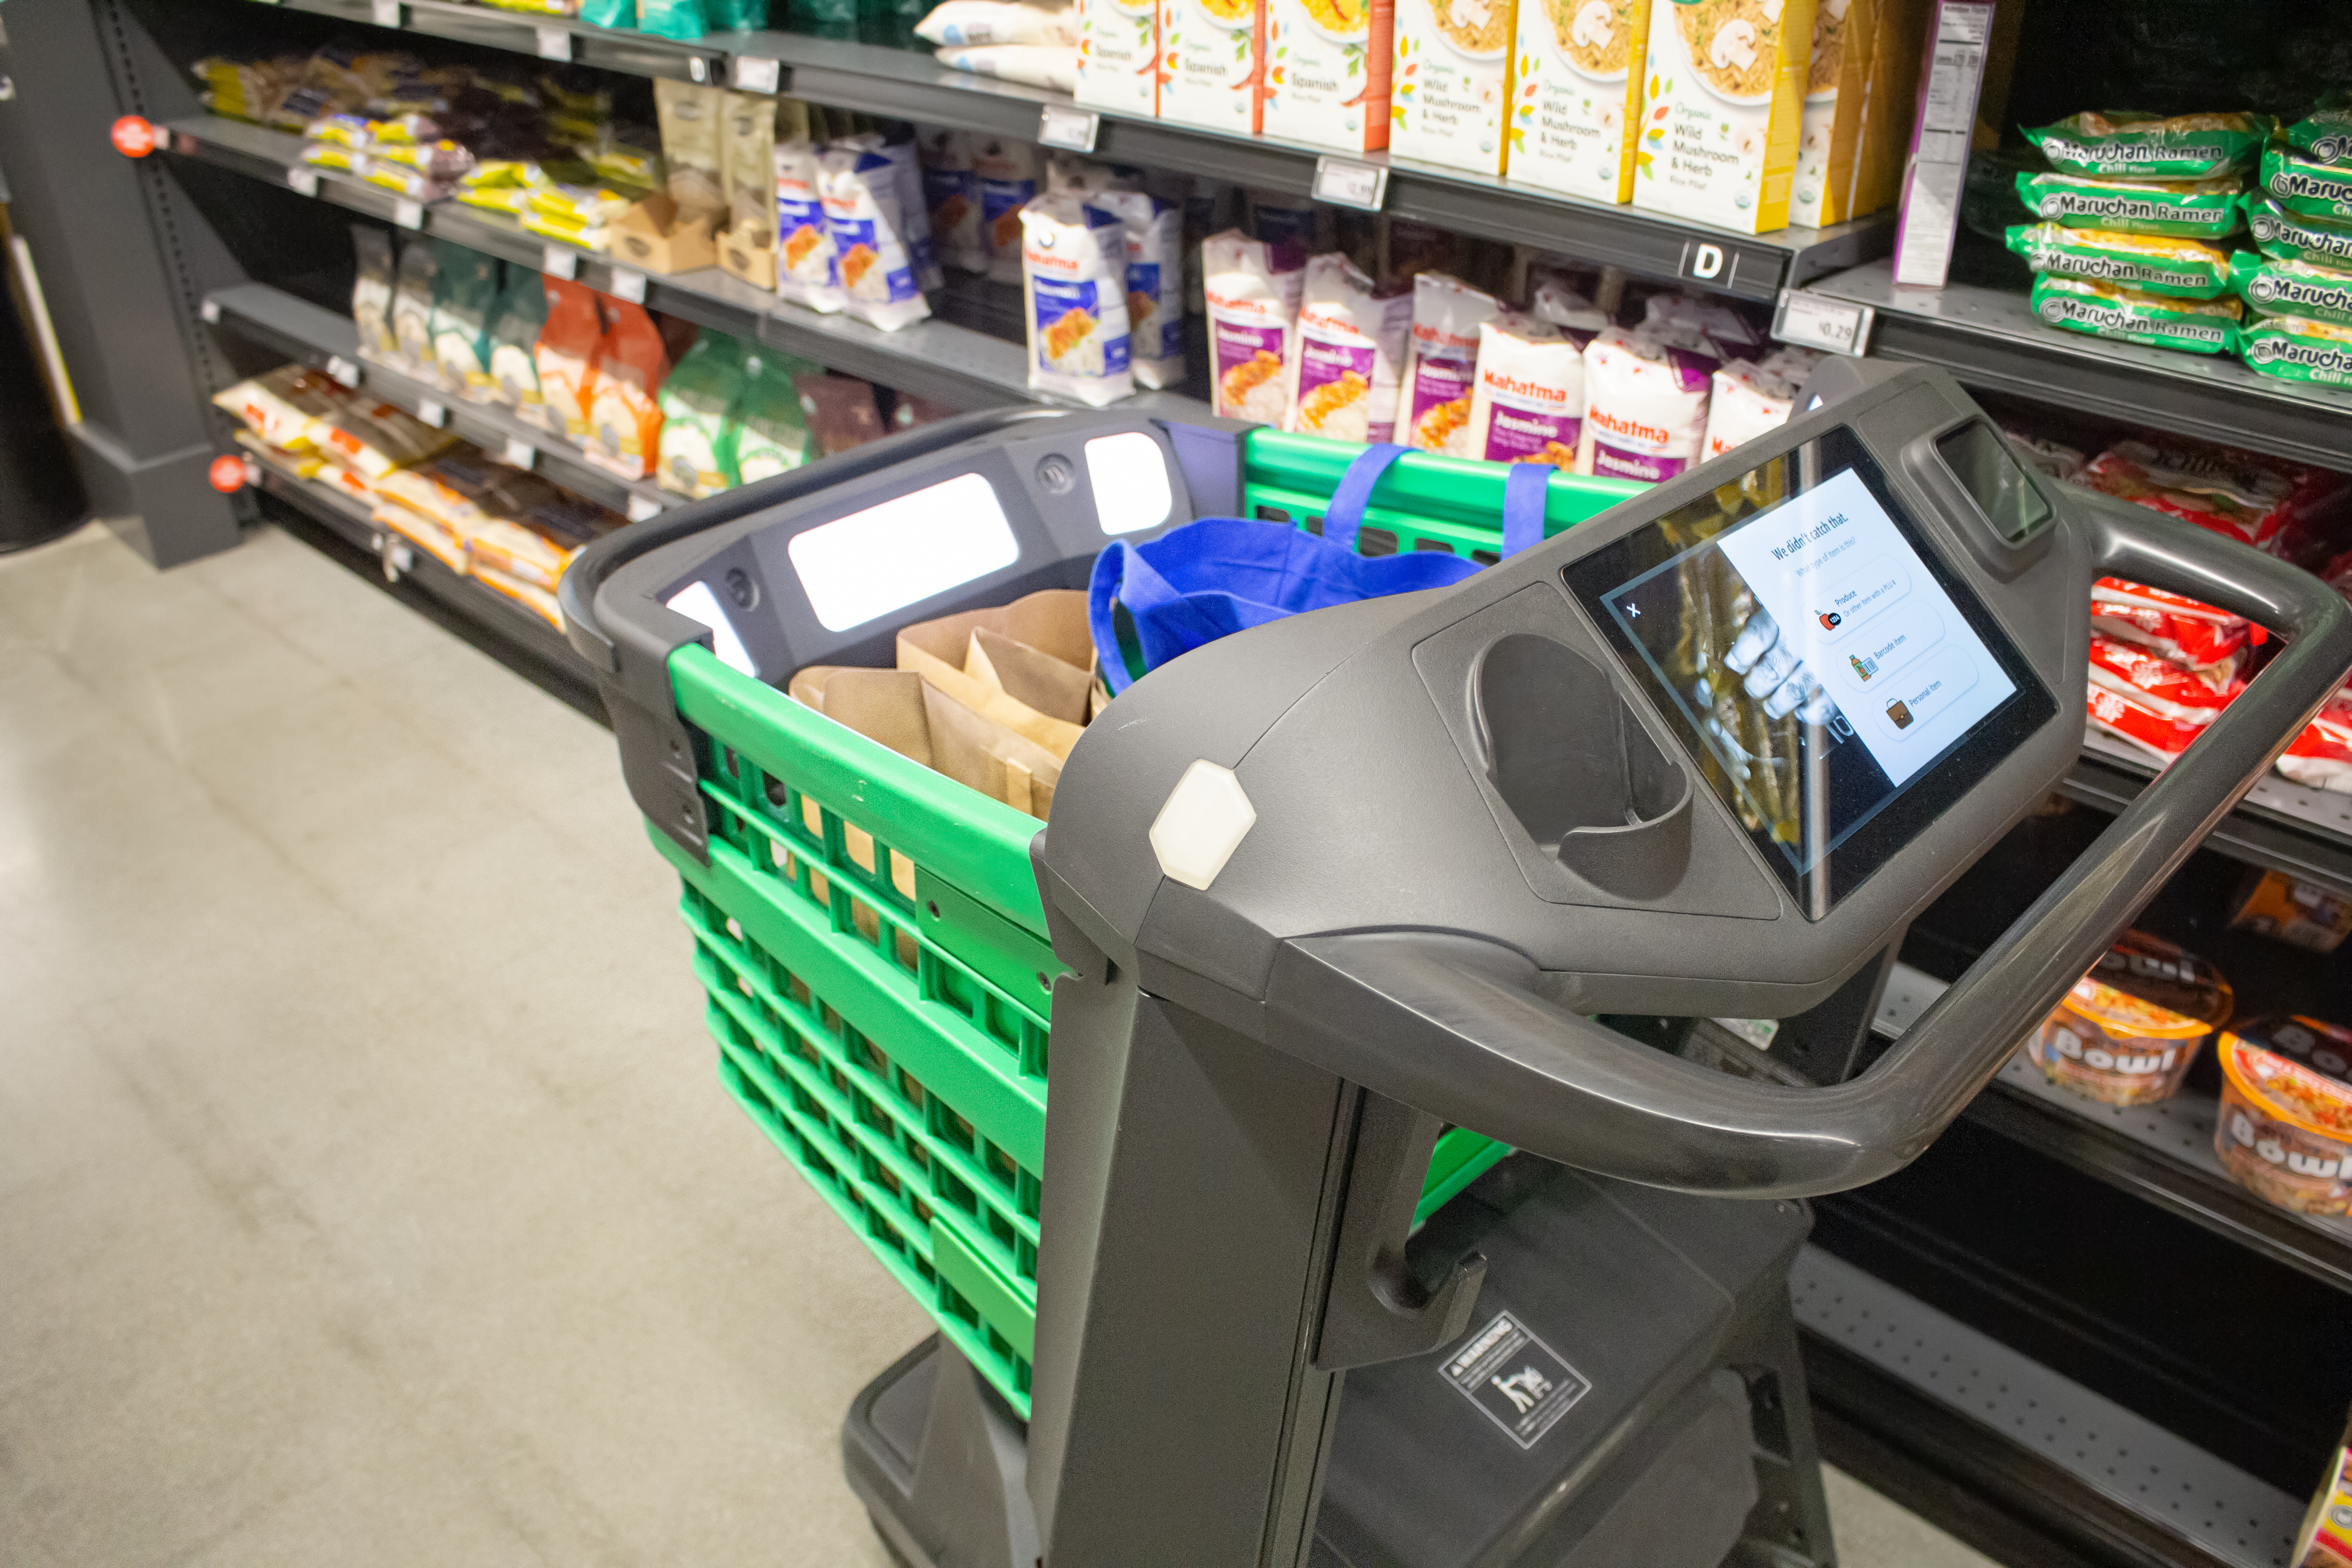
(1202, 823)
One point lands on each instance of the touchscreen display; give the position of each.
(1837, 683)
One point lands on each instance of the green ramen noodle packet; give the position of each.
(2289, 237)
(2325, 135)
(2306, 188)
(2183, 269)
(2294, 348)
(2293, 289)
(2105, 310)
(2184, 209)
(2152, 147)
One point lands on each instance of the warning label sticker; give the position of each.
(1520, 1383)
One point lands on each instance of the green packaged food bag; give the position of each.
(465, 293)
(2104, 310)
(2294, 348)
(609, 12)
(2307, 188)
(769, 430)
(2184, 209)
(825, 18)
(2325, 135)
(2183, 269)
(2278, 287)
(2289, 237)
(514, 347)
(2152, 147)
(738, 15)
(694, 401)
(673, 18)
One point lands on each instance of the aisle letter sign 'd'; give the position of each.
(133, 137)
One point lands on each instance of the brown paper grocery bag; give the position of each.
(904, 713)
(1019, 691)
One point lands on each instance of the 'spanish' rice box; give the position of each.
(1118, 55)
(1213, 63)
(1576, 93)
(1723, 99)
(1326, 72)
(1452, 88)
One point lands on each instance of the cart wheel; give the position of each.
(896, 1561)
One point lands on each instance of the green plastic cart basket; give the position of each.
(868, 934)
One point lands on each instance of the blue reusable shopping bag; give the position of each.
(1219, 575)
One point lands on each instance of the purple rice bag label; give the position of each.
(1526, 435)
(1438, 382)
(1694, 372)
(1249, 366)
(1625, 463)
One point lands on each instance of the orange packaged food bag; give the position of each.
(2127, 1031)
(625, 416)
(571, 346)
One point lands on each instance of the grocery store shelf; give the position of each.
(952, 364)
(2280, 825)
(2162, 1153)
(1989, 340)
(910, 84)
(328, 341)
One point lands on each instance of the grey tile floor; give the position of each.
(367, 1195)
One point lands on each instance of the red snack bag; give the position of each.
(2190, 634)
(2147, 732)
(2321, 757)
(2188, 696)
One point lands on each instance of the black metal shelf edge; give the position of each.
(2163, 1154)
(2280, 826)
(910, 84)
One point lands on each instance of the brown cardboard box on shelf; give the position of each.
(749, 251)
(656, 235)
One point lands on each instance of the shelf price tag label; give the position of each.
(302, 182)
(697, 68)
(432, 413)
(1817, 321)
(559, 261)
(628, 287)
(521, 453)
(643, 506)
(753, 74)
(1344, 183)
(343, 370)
(210, 311)
(408, 214)
(385, 13)
(397, 557)
(554, 43)
(1059, 125)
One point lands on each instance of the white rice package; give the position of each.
(808, 269)
(1032, 65)
(917, 213)
(1006, 170)
(1348, 354)
(997, 22)
(862, 215)
(1747, 401)
(1155, 284)
(1084, 177)
(1074, 289)
(1730, 332)
(1569, 310)
(1645, 406)
(1433, 407)
(952, 192)
(1527, 404)
(1252, 291)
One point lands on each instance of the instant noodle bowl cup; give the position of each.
(2127, 1031)
(2285, 1129)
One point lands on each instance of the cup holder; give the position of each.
(1579, 770)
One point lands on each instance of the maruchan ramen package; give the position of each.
(1006, 171)
(2103, 309)
(2289, 237)
(1830, 130)
(1450, 86)
(1646, 403)
(2152, 147)
(1075, 300)
(694, 401)
(2155, 264)
(952, 192)
(1155, 284)
(1118, 55)
(2190, 634)
(2127, 1031)
(2277, 287)
(2306, 188)
(2184, 209)
(1726, 87)
(1347, 354)
(862, 214)
(1576, 101)
(1211, 54)
(2293, 347)
(1252, 291)
(1327, 81)
(2325, 135)
(1441, 372)
(808, 269)
(2285, 1129)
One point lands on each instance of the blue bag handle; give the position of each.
(1354, 492)
(1527, 494)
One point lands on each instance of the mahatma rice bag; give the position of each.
(1074, 297)
(1526, 404)
(1645, 404)
(2307, 188)
(1006, 170)
(1433, 404)
(1747, 401)
(2152, 147)
(694, 401)
(863, 217)
(981, 22)
(1577, 104)
(2105, 310)
(1155, 284)
(2291, 236)
(466, 295)
(2292, 287)
(914, 211)
(952, 192)
(372, 292)
(2158, 264)
(1252, 291)
(1347, 354)
(1727, 98)
(514, 346)
(2295, 349)
(808, 269)
(1569, 310)
(2185, 209)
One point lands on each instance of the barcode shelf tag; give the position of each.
(408, 215)
(302, 182)
(1816, 322)
(521, 453)
(628, 287)
(1343, 182)
(554, 43)
(753, 74)
(432, 413)
(1072, 128)
(643, 506)
(559, 261)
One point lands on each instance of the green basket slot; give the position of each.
(1460, 1158)
(1025, 965)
